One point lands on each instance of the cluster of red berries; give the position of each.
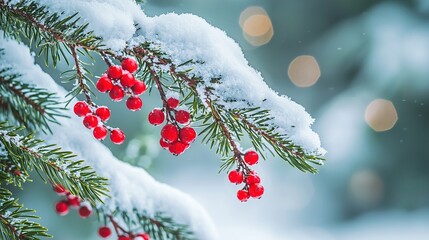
(119, 81)
(252, 187)
(106, 232)
(94, 118)
(62, 207)
(176, 135)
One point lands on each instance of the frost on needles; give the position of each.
(202, 78)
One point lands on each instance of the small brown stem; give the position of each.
(80, 78)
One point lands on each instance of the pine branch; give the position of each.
(52, 164)
(15, 223)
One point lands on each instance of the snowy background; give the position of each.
(366, 81)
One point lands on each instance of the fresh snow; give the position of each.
(131, 188)
(186, 37)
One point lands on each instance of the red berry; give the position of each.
(177, 148)
(173, 102)
(122, 237)
(170, 133)
(85, 211)
(134, 103)
(187, 135)
(251, 157)
(99, 132)
(59, 189)
(104, 84)
(127, 80)
(90, 121)
(73, 200)
(235, 176)
(114, 72)
(139, 87)
(164, 144)
(253, 178)
(62, 208)
(117, 136)
(104, 232)
(183, 117)
(256, 190)
(103, 113)
(243, 195)
(156, 116)
(129, 64)
(145, 236)
(17, 172)
(117, 93)
(81, 109)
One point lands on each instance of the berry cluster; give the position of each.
(106, 232)
(176, 135)
(252, 187)
(119, 81)
(62, 207)
(95, 118)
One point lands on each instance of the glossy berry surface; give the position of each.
(173, 102)
(59, 189)
(122, 237)
(187, 135)
(164, 144)
(243, 195)
(99, 132)
(85, 211)
(73, 200)
(134, 103)
(117, 93)
(130, 65)
(81, 109)
(90, 121)
(252, 179)
(251, 157)
(104, 232)
(62, 208)
(114, 72)
(183, 117)
(177, 148)
(104, 84)
(127, 79)
(139, 87)
(169, 133)
(103, 113)
(145, 236)
(256, 190)
(156, 116)
(117, 136)
(235, 176)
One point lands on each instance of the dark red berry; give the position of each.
(256, 190)
(99, 132)
(104, 232)
(183, 117)
(117, 93)
(253, 178)
(129, 64)
(62, 208)
(90, 121)
(169, 133)
(73, 200)
(104, 84)
(81, 109)
(134, 103)
(17, 172)
(177, 148)
(235, 176)
(164, 144)
(173, 102)
(114, 72)
(85, 211)
(243, 195)
(103, 113)
(59, 189)
(251, 157)
(145, 236)
(122, 237)
(187, 135)
(117, 136)
(139, 87)
(127, 79)
(156, 116)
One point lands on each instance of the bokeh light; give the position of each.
(381, 115)
(366, 188)
(256, 25)
(304, 71)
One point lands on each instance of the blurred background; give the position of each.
(361, 69)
